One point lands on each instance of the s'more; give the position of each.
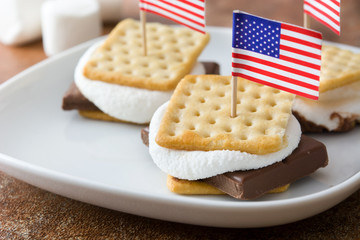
(338, 107)
(115, 81)
(204, 150)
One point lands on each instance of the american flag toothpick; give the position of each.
(190, 13)
(325, 11)
(280, 55)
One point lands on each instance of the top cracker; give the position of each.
(172, 53)
(339, 67)
(198, 116)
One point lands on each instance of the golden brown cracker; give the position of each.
(198, 116)
(98, 115)
(339, 67)
(186, 187)
(172, 53)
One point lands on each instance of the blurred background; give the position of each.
(31, 31)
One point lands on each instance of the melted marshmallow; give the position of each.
(122, 102)
(343, 100)
(193, 165)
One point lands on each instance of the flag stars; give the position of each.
(254, 34)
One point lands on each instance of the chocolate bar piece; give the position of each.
(345, 123)
(74, 100)
(304, 160)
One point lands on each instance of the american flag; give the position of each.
(276, 54)
(190, 13)
(325, 11)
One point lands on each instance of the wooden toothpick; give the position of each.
(306, 21)
(143, 30)
(233, 96)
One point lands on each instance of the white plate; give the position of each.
(106, 164)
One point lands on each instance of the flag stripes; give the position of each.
(325, 11)
(296, 67)
(185, 12)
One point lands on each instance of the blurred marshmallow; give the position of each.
(111, 10)
(20, 21)
(66, 23)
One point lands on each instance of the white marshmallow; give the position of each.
(66, 23)
(343, 100)
(130, 104)
(111, 10)
(193, 165)
(20, 21)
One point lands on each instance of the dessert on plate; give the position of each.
(122, 84)
(338, 107)
(203, 150)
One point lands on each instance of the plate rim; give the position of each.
(11, 164)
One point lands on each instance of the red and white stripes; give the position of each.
(190, 13)
(325, 11)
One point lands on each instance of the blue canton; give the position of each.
(256, 34)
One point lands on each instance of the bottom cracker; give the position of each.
(186, 187)
(98, 115)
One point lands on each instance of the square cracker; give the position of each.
(339, 67)
(172, 53)
(198, 116)
(186, 187)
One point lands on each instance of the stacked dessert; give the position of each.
(205, 151)
(338, 108)
(117, 79)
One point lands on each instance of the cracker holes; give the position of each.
(207, 88)
(248, 123)
(243, 137)
(276, 91)
(176, 120)
(217, 108)
(227, 129)
(272, 103)
(163, 67)
(241, 88)
(181, 106)
(269, 117)
(212, 121)
(127, 62)
(110, 58)
(193, 80)
(221, 94)
(108, 48)
(202, 100)
(226, 83)
(257, 96)
(152, 29)
(145, 65)
(192, 127)
(262, 131)
(197, 114)
(187, 93)
(206, 135)
(173, 41)
(252, 109)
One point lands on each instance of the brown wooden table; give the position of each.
(27, 212)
